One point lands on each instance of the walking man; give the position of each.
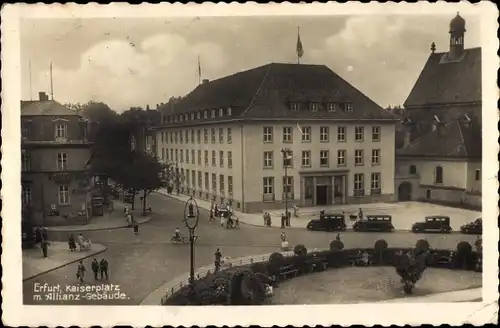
(218, 257)
(80, 271)
(288, 217)
(45, 244)
(95, 268)
(283, 219)
(103, 265)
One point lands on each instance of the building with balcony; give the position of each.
(55, 150)
(280, 133)
(442, 153)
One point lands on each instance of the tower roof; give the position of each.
(457, 24)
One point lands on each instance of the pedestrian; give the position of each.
(265, 219)
(295, 211)
(45, 234)
(95, 268)
(103, 265)
(45, 244)
(288, 217)
(283, 219)
(81, 241)
(72, 243)
(360, 214)
(338, 237)
(80, 271)
(38, 236)
(218, 257)
(136, 227)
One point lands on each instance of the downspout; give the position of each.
(242, 152)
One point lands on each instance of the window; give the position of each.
(198, 115)
(205, 114)
(324, 134)
(186, 135)
(62, 161)
(221, 112)
(181, 135)
(25, 130)
(198, 136)
(230, 184)
(212, 135)
(359, 184)
(175, 136)
(341, 133)
(192, 116)
(348, 107)
(193, 159)
(229, 111)
(294, 107)
(359, 157)
(205, 135)
(214, 158)
(200, 183)
(199, 157)
(61, 131)
(162, 136)
(229, 159)
(171, 137)
(306, 158)
(192, 136)
(187, 156)
(182, 156)
(314, 107)
(324, 158)
(413, 169)
(268, 186)
(375, 133)
(439, 174)
(359, 133)
(25, 162)
(229, 136)
(63, 195)
(287, 134)
(176, 155)
(375, 156)
(180, 118)
(375, 184)
(163, 154)
(221, 183)
(214, 183)
(26, 195)
(193, 178)
(341, 154)
(187, 177)
(206, 157)
(221, 135)
(268, 159)
(171, 154)
(268, 134)
(206, 181)
(213, 113)
(221, 158)
(287, 158)
(478, 175)
(288, 187)
(306, 134)
(330, 107)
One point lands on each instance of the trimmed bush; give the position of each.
(380, 245)
(422, 245)
(276, 258)
(336, 245)
(300, 250)
(463, 256)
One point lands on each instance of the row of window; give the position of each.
(201, 180)
(62, 195)
(197, 115)
(268, 187)
(183, 137)
(324, 158)
(184, 156)
(316, 106)
(60, 131)
(62, 162)
(324, 134)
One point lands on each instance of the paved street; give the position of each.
(139, 265)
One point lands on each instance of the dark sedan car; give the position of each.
(433, 224)
(473, 228)
(373, 223)
(328, 222)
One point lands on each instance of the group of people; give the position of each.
(42, 238)
(131, 221)
(99, 268)
(226, 216)
(80, 241)
(285, 219)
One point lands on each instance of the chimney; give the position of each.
(147, 107)
(42, 96)
(205, 81)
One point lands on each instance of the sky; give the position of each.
(128, 62)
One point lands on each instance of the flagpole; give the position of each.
(51, 83)
(199, 70)
(298, 33)
(31, 85)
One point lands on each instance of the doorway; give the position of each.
(405, 192)
(321, 195)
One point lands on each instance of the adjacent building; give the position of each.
(441, 157)
(280, 133)
(55, 149)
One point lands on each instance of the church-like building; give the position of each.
(440, 160)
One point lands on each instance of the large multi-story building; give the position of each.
(55, 150)
(441, 157)
(280, 132)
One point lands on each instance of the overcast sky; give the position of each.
(128, 62)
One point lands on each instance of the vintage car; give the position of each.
(473, 228)
(327, 222)
(381, 223)
(435, 223)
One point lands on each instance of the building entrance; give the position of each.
(321, 195)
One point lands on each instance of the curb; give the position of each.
(65, 264)
(145, 220)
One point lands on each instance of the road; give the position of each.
(139, 265)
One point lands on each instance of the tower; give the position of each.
(457, 31)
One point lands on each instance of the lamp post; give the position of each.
(177, 177)
(191, 217)
(286, 157)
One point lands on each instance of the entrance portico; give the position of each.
(323, 187)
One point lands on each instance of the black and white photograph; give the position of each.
(173, 159)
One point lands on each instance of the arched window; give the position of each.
(439, 174)
(413, 169)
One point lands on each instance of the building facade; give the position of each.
(55, 150)
(280, 133)
(441, 157)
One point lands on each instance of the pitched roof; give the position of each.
(453, 139)
(48, 108)
(267, 91)
(446, 82)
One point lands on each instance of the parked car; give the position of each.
(435, 223)
(473, 228)
(382, 223)
(328, 222)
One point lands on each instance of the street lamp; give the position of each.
(286, 158)
(191, 217)
(177, 177)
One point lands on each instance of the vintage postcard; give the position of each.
(245, 164)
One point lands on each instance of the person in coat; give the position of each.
(38, 236)
(80, 271)
(103, 265)
(45, 234)
(45, 245)
(72, 243)
(95, 268)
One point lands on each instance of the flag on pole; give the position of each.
(199, 70)
(300, 49)
(298, 127)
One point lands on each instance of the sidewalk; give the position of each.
(155, 297)
(467, 295)
(34, 264)
(108, 221)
